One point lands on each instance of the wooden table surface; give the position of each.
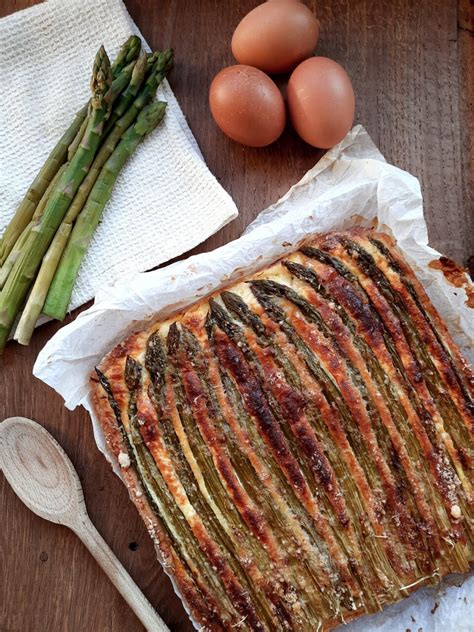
(412, 68)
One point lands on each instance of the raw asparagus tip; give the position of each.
(101, 80)
(151, 58)
(149, 117)
(99, 58)
(129, 51)
(140, 69)
(164, 61)
(135, 45)
(130, 67)
(133, 40)
(169, 59)
(160, 69)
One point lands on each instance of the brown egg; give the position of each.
(321, 101)
(247, 105)
(276, 36)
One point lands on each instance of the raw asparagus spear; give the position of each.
(71, 150)
(38, 294)
(59, 294)
(119, 84)
(163, 63)
(23, 272)
(27, 206)
(20, 242)
(129, 51)
(121, 81)
(136, 80)
(39, 210)
(14, 253)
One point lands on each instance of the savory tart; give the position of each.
(301, 445)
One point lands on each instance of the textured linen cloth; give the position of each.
(165, 201)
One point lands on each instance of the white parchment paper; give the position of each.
(351, 185)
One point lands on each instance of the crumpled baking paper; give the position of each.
(351, 185)
(165, 201)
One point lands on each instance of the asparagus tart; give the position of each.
(300, 445)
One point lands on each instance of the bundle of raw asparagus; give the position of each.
(43, 246)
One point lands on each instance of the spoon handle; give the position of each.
(118, 575)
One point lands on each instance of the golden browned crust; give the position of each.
(301, 445)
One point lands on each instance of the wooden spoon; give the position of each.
(44, 478)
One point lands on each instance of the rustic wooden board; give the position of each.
(412, 65)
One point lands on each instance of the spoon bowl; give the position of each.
(40, 471)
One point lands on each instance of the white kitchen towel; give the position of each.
(165, 201)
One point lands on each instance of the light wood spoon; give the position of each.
(44, 478)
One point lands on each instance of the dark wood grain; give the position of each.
(412, 66)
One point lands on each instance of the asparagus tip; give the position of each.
(101, 80)
(135, 45)
(149, 117)
(139, 70)
(164, 61)
(129, 51)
